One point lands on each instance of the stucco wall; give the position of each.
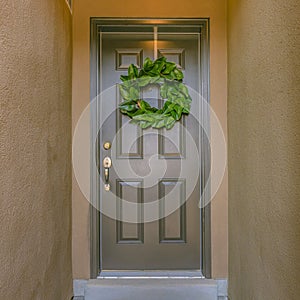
(35, 150)
(216, 11)
(264, 148)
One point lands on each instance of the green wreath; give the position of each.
(172, 90)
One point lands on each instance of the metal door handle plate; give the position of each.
(106, 165)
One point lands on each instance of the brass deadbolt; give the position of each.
(107, 145)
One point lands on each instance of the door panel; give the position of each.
(130, 232)
(157, 158)
(172, 228)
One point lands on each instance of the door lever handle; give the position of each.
(106, 165)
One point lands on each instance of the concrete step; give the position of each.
(151, 289)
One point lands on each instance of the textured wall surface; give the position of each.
(216, 11)
(264, 149)
(35, 150)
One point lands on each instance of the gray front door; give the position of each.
(149, 165)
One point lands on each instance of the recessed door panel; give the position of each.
(172, 228)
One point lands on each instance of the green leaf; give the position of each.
(161, 59)
(170, 76)
(178, 109)
(159, 64)
(169, 67)
(154, 79)
(169, 122)
(168, 107)
(180, 101)
(154, 72)
(126, 84)
(173, 114)
(124, 78)
(144, 125)
(172, 93)
(144, 105)
(148, 64)
(178, 74)
(144, 117)
(135, 113)
(141, 73)
(124, 92)
(127, 102)
(134, 93)
(163, 91)
(128, 107)
(184, 90)
(145, 80)
(130, 110)
(159, 124)
(186, 111)
(132, 72)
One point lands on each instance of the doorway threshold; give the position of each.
(197, 274)
(149, 289)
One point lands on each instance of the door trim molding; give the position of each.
(95, 216)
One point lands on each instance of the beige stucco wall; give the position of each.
(35, 150)
(216, 11)
(264, 148)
